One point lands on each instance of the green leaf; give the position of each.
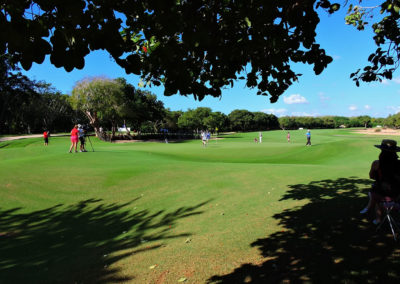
(247, 22)
(334, 7)
(141, 84)
(136, 38)
(183, 279)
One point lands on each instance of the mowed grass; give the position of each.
(233, 212)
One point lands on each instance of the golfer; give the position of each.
(74, 139)
(204, 138)
(308, 134)
(260, 136)
(46, 137)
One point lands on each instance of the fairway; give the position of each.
(233, 212)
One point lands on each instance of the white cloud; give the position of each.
(352, 107)
(388, 82)
(323, 97)
(367, 107)
(336, 57)
(295, 99)
(394, 109)
(275, 111)
(299, 113)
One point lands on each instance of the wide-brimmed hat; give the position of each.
(388, 145)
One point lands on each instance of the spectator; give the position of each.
(386, 173)
(81, 138)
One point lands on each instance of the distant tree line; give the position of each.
(393, 120)
(28, 106)
(204, 118)
(295, 122)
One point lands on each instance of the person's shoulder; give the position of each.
(375, 164)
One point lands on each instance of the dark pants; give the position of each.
(308, 141)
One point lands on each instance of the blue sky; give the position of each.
(331, 93)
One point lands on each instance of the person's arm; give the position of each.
(373, 173)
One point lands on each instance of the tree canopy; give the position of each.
(28, 106)
(99, 98)
(195, 47)
(115, 101)
(386, 58)
(191, 47)
(295, 122)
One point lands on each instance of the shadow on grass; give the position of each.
(323, 241)
(78, 243)
(4, 144)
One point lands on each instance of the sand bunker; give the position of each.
(378, 131)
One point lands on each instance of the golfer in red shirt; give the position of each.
(74, 138)
(46, 138)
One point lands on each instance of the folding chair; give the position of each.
(389, 205)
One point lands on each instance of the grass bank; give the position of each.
(235, 211)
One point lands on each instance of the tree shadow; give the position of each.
(324, 241)
(4, 144)
(79, 242)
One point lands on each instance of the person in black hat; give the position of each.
(386, 173)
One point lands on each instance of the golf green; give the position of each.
(235, 211)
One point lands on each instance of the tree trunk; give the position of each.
(3, 110)
(94, 122)
(113, 131)
(155, 126)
